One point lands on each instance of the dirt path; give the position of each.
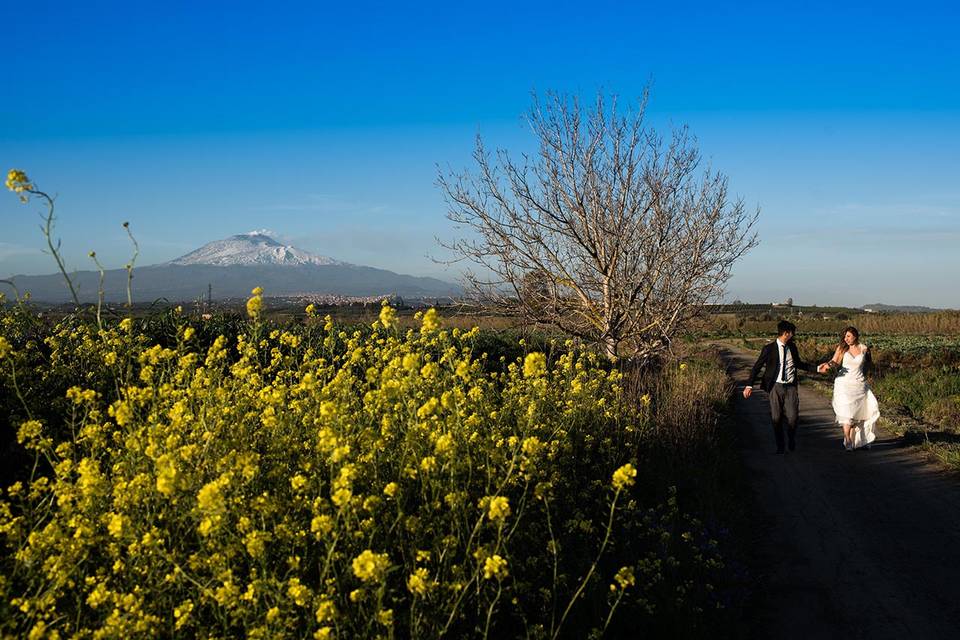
(862, 544)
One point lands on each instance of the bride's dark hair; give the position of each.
(843, 334)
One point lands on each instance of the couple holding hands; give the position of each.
(854, 404)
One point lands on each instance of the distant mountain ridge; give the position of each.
(230, 268)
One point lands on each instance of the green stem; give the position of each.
(610, 615)
(555, 552)
(16, 389)
(133, 260)
(486, 628)
(593, 567)
(16, 292)
(93, 256)
(48, 233)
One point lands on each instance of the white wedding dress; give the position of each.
(853, 401)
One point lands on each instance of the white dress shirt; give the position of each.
(789, 374)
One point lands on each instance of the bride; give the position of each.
(853, 401)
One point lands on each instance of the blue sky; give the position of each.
(325, 123)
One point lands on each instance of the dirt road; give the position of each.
(862, 544)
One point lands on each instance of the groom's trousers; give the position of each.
(784, 407)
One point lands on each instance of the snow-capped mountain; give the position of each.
(251, 249)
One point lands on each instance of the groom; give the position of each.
(781, 362)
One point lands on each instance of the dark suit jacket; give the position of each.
(769, 361)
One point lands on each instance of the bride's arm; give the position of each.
(834, 361)
(837, 357)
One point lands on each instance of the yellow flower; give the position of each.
(428, 464)
(624, 477)
(298, 481)
(443, 445)
(90, 480)
(207, 525)
(370, 566)
(255, 306)
(256, 543)
(447, 400)
(298, 592)
(391, 489)
(126, 324)
(499, 508)
(115, 525)
(327, 409)
(188, 333)
(167, 474)
(385, 617)
(98, 596)
(411, 361)
(624, 578)
(534, 365)
(428, 408)
(321, 525)
(341, 497)
(209, 498)
(532, 446)
(5, 347)
(323, 633)
(645, 399)
(182, 613)
(310, 310)
(29, 431)
(418, 582)
(326, 611)
(273, 614)
(431, 321)
(683, 365)
(495, 567)
(17, 181)
(388, 315)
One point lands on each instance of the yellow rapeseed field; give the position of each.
(376, 483)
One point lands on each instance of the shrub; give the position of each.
(315, 482)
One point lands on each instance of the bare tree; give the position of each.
(609, 232)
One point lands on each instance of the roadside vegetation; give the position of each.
(173, 475)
